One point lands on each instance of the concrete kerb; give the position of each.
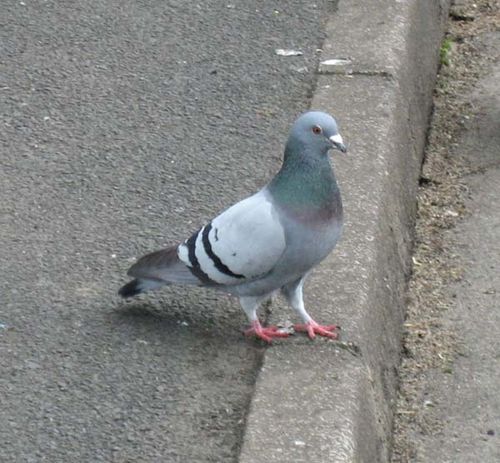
(318, 402)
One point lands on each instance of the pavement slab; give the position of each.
(465, 397)
(384, 99)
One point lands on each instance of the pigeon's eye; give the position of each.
(317, 129)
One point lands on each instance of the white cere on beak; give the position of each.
(337, 139)
(338, 143)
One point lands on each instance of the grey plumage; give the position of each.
(267, 242)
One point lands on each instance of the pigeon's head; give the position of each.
(316, 132)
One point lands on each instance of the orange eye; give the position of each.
(317, 129)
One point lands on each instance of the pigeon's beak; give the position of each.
(338, 143)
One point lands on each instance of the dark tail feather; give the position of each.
(132, 288)
(140, 285)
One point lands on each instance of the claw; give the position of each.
(312, 329)
(265, 333)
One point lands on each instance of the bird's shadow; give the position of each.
(175, 317)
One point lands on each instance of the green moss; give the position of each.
(444, 51)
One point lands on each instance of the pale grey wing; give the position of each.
(242, 244)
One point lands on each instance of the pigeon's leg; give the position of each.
(294, 296)
(250, 304)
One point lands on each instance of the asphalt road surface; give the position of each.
(124, 126)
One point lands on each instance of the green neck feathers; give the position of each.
(305, 181)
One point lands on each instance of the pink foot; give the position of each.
(312, 329)
(266, 334)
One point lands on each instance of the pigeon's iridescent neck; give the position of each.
(306, 186)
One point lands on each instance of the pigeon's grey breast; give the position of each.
(307, 244)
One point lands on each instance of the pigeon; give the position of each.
(268, 242)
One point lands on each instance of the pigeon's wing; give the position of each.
(242, 244)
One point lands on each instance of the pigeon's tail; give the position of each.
(162, 267)
(155, 270)
(138, 286)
